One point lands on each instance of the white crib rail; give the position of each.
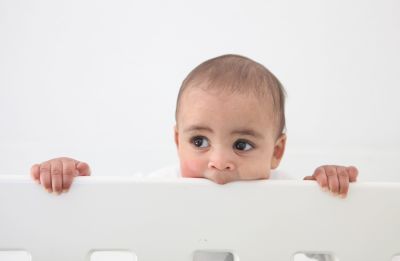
(169, 220)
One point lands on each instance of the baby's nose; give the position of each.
(221, 165)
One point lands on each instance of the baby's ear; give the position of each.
(176, 136)
(279, 150)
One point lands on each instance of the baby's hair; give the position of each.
(236, 73)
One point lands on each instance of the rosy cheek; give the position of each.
(192, 168)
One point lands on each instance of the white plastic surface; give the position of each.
(169, 220)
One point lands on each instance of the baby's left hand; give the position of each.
(334, 178)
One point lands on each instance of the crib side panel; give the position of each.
(164, 220)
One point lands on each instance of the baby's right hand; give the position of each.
(57, 174)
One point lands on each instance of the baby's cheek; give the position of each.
(192, 168)
(255, 171)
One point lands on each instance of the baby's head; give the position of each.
(230, 121)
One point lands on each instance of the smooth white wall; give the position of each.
(97, 80)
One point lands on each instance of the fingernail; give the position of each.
(49, 190)
(342, 195)
(65, 190)
(325, 189)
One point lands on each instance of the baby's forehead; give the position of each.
(237, 99)
(222, 105)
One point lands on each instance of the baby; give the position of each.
(230, 125)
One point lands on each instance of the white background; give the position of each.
(98, 80)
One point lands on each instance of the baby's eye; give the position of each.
(242, 145)
(200, 142)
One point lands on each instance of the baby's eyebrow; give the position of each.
(248, 132)
(198, 128)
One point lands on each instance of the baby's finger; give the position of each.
(309, 178)
(83, 168)
(35, 173)
(56, 176)
(333, 181)
(321, 177)
(353, 173)
(45, 177)
(343, 178)
(68, 174)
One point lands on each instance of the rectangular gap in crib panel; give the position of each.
(312, 256)
(14, 255)
(112, 255)
(214, 255)
(396, 258)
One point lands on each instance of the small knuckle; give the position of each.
(44, 168)
(68, 161)
(56, 172)
(330, 174)
(68, 172)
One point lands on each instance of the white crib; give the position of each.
(172, 219)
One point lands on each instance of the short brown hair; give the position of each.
(237, 73)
